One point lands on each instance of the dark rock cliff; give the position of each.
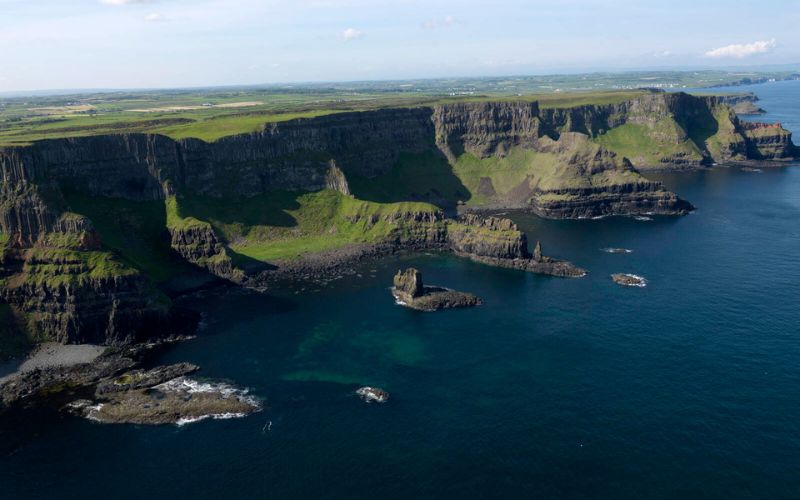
(56, 271)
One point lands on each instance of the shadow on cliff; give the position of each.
(424, 176)
(701, 127)
(269, 209)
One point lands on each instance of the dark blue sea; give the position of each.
(562, 388)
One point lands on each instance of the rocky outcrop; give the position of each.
(408, 284)
(197, 242)
(742, 104)
(641, 197)
(767, 141)
(624, 279)
(498, 242)
(336, 180)
(164, 395)
(409, 291)
(485, 128)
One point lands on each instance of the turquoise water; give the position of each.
(554, 388)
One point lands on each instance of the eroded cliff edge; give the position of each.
(92, 228)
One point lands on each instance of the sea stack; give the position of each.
(409, 291)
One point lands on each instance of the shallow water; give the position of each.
(554, 387)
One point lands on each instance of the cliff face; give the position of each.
(84, 297)
(686, 131)
(767, 141)
(743, 104)
(57, 271)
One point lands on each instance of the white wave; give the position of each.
(615, 250)
(214, 416)
(89, 412)
(192, 386)
(643, 218)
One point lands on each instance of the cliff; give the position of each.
(743, 104)
(245, 206)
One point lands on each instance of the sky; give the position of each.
(81, 44)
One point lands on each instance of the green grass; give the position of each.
(114, 116)
(3, 239)
(56, 267)
(285, 225)
(136, 230)
(646, 145)
(215, 128)
(556, 100)
(429, 176)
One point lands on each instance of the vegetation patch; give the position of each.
(647, 145)
(55, 267)
(284, 225)
(135, 230)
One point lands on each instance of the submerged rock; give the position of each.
(616, 250)
(409, 291)
(625, 279)
(370, 394)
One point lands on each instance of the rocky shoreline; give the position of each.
(110, 387)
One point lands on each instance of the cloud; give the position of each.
(445, 22)
(740, 50)
(125, 2)
(351, 34)
(154, 17)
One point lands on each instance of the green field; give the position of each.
(209, 114)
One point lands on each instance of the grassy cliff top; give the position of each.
(211, 113)
(212, 118)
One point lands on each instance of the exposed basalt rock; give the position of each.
(44, 382)
(492, 237)
(625, 279)
(742, 104)
(409, 291)
(144, 379)
(372, 394)
(634, 198)
(767, 141)
(498, 242)
(486, 128)
(408, 284)
(83, 297)
(160, 398)
(336, 180)
(198, 243)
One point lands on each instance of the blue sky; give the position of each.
(49, 44)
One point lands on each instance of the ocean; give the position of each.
(563, 388)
